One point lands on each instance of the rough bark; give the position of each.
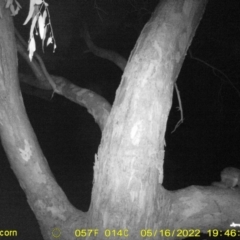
(44, 196)
(128, 173)
(127, 193)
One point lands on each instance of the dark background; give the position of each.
(196, 152)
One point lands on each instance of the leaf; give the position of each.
(33, 25)
(46, 4)
(31, 48)
(44, 15)
(49, 41)
(54, 46)
(44, 36)
(37, 2)
(17, 10)
(31, 9)
(9, 2)
(41, 26)
(12, 10)
(19, 6)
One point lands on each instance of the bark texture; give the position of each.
(128, 197)
(128, 170)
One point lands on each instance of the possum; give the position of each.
(230, 178)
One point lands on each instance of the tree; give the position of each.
(127, 191)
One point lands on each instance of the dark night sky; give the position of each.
(209, 84)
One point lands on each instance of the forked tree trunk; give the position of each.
(128, 170)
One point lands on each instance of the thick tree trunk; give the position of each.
(128, 171)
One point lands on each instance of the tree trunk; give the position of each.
(127, 193)
(45, 197)
(128, 171)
